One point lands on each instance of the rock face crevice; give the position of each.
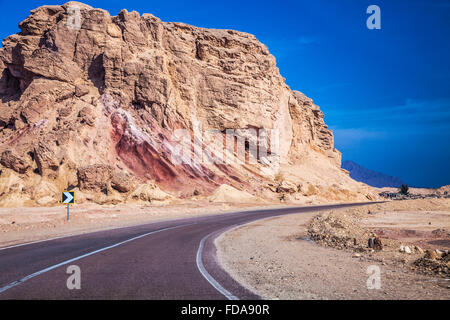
(113, 92)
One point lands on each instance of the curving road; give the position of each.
(164, 260)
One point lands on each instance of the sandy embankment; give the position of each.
(276, 258)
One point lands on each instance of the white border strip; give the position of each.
(38, 241)
(207, 276)
(16, 283)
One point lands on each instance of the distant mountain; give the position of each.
(372, 178)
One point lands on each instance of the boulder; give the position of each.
(431, 254)
(100, 177)
(287, 187)
(377, 244)
(10, 159)
(94, 177)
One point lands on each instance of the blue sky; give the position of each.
(385, 93)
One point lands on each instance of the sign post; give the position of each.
(68, 197)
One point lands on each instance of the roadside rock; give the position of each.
(337, 232)
(405, 249)
(122, 181)
(100, 177)
(48, 156)
(431, 255)
(439, 253)
(87, 116)
(375, 243)
(94, 177)
(287, 187)
(148, 193)
(15, 162)
(418, 249)
(309, 190)
(434, 264)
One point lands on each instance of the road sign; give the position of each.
(67, 197)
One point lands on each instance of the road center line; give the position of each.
(16, 283)
(207, 276)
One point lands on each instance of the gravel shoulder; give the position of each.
(276, 259)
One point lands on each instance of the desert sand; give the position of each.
(277, 258)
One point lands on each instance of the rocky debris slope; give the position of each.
(435, 262)
(401, 238)
(97, 109)
(338, 232)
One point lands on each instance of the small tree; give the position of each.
(404, 189)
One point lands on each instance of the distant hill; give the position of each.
(372, 178)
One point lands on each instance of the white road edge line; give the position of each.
(38, 241)
(205, 273)
(16, 283)
(73, 235)
(207, 276)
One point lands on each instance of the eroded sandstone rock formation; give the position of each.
(96, 108)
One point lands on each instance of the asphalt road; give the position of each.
(165, 260)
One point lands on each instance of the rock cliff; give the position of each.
(102, 104)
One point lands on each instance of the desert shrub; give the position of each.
(404, 189)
